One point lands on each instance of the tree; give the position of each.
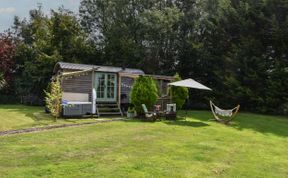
(134, 33)
(58, 37)
(160, 29)
(7, 67)
(179, 94)
(237, 47)
(68, 38)
(144, 91)
(53, 98)
(35, 55)
(113, 27)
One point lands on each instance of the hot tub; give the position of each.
(76, 108)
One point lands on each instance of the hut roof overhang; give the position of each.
(74, 69)
(82, 67)
(160, 77)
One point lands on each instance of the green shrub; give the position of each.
(53, 98)
(144, 91)
(179, 94)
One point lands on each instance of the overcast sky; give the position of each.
(10, 8)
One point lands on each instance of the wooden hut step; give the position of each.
(107, 104)
(110, 113)
(109, 109)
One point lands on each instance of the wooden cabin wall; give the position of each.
(165, 86)
(126, 87)
(127, 83)
(83, 84)
(164, 97)
(78, 84)
(162, 87)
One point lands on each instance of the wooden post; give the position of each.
(92, 87)
(170, 94)
(161, 87)
(119, 89)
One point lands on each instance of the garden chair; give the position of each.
(224, 116)
(149, 115)
(171, 113)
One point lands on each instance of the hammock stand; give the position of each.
(223, 116)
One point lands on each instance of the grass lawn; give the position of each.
(19, 116)
(254, 146)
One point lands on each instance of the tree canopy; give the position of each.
(41, 42)
(236, 47)
(7, 52)
(144, 91)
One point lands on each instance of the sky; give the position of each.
(11, 8)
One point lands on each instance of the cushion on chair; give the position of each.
(144, 108)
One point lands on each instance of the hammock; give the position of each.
(224, 116)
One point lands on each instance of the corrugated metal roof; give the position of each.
(161, 77)
(73, 66)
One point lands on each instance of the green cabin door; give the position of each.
(106, 87)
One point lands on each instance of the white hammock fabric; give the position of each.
(228, 113)
(222, 112)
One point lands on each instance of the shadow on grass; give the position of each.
(186, 123)
(179, 122)
(277, 125)
(35, 113)
(22, 109)
(265, 124)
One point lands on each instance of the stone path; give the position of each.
(37, 129)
